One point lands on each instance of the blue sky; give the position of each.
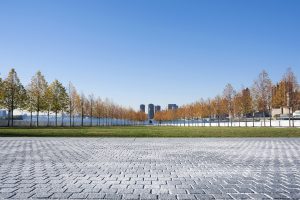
(160, 52)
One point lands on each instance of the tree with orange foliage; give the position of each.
(238, 106)
(246, 103)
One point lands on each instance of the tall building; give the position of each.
(142, 108)
(157, 108)
(172, 107)
(150, 111)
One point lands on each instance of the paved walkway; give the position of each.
(128, 168)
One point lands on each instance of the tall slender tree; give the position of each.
(262, 89)
(59, 98)
(229, 94)
(72, 102)
(91, 106)
(14, 95)
(29, 104)
(1, 92)
(238, 106)
(246, 103)
(291, 88)
(37, 92)
(82, 107)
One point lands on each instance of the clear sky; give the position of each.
(150, 51)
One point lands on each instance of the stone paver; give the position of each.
(149, 168)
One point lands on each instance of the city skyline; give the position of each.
(150, 51)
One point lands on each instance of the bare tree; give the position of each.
(262, 89)
(291, 87)
(73, 96)
(229, 94)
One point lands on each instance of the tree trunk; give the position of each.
(91, 114)
(289, 117)
(81, 116)
(56, 118)
(70, 118)
(253, 119)
(62, 118)
(12, 111)
(48, 117)
(8, 118)
(293, 121)
(12, 118)
(264, 115)
(30, 118)
(38, 110)
(270, 118)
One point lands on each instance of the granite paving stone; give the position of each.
(149, 168)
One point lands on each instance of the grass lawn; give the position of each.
(149, 131)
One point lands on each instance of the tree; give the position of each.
(48, 102)
(30, 104)
(246, 103)
(209, 109)
(291, 88)
(99, 110)
(238, 106)
(229, 94)
(279, 95)
(216, 105)
(77, 106)
(37, 94)
(59, 98)
(1, 92)
(73, 95)
(14, 95)
(82, 107)
(262, 89)
(91, 108)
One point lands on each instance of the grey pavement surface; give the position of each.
(149, 168)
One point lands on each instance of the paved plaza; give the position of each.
(149, 168)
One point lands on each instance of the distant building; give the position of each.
(142, 108)
(2, 113)
(172, 107)
(150, 111)
(157, 108)
(277, 112)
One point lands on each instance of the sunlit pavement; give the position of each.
(149, 168)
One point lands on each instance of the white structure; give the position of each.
(277, 112)
(296, 114)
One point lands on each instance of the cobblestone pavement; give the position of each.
(149, 168)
